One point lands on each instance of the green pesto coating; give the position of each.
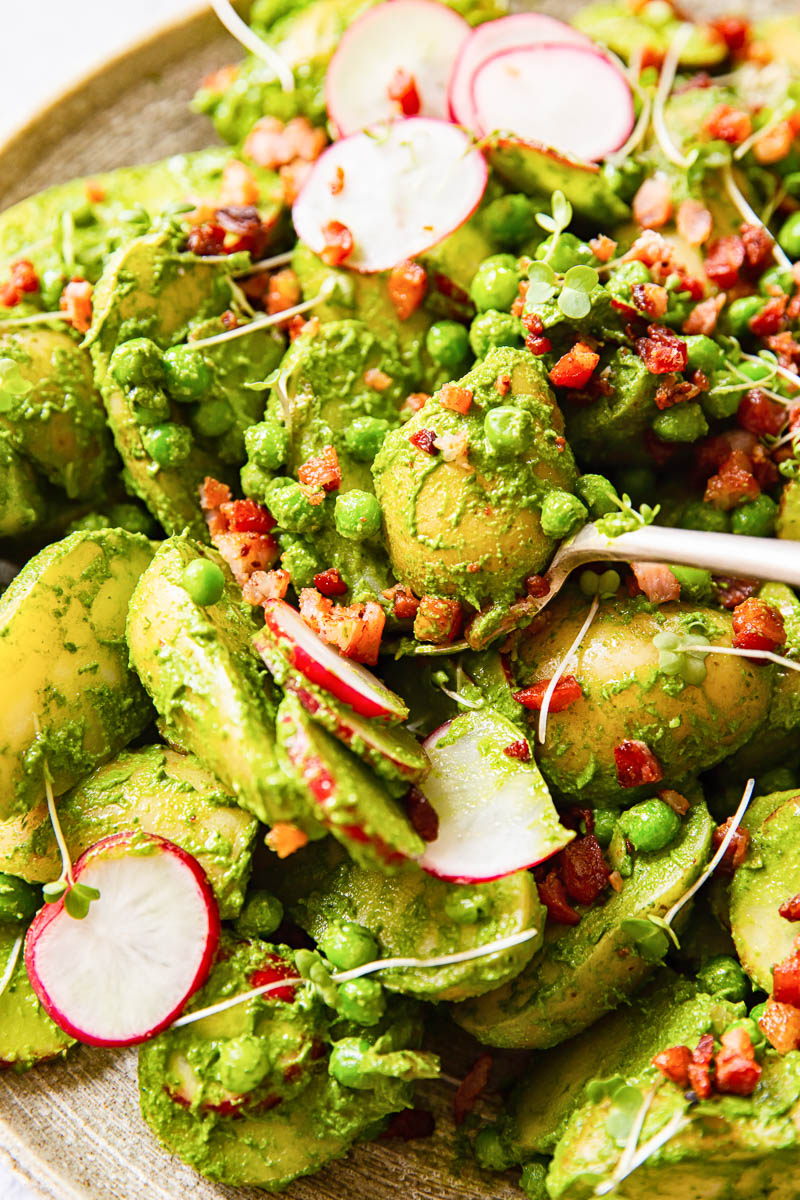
(611, 430)
(22, 504)
(27, 1035)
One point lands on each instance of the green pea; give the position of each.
(657, 13)
(695, 582)
(299, 559)
(570, 252)
(19, 901)
(136, 363)
(491, 1151)
(605, 820)
(292, 509)
(212, 418)
(188, 374)
(509, 220)
(149, 405)
(699, 515)
(267, 444)
(704, 354)
(255, 482)
(756, 518)
(722, 976)
(495, 284)
(506, 430)
(650, 941)
(361, 1000)
(757, 1011)
(624, 178)
(52, 285)
(757, 371)
(630, 274)
(347, 944)
(758, 1039)
(741, 312)
(243, 1062)
(466, 905)
(776, 277)
(598, 494)
(447, 342)
(89, 522)
(357, 515)
(533, 1181)
(132, 518)
(561, 512)
(169, 444)
(345, 1062)
(491, 329)
(640, 483)
(650, 826)
(683, 423)
(204, 581)
(364, 436)
(718, 403)
(261, 915)
(789, 236)
(779, 779)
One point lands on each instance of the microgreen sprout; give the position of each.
(556, 221)
(628, 518)
(781, 113)
(665, 81)
(759, 655)
(784, 372)
(605, 585)
(32, 319)
(572, 289)
(78, 897)
(623, 1101)
(265, 264)
(264, 322)
(682, 654)
(465, 693)
(11, 963)
(252, 42)
(749, 214)
(674, 1126)
(561, 668)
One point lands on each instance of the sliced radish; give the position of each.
(493, 37)
(392, 753)
(568, 97)
(399, 190)
(494, 808)
(348, 681)
(416, 39)
(125, 971)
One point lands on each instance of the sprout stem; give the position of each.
(665, 82)
(252, 42)
(266, 321)
(749, 214)
(562, 666)
(11, 962)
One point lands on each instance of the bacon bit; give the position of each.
(699, 1071)
(769, 321)
(266, 585)
(241, 219)
(704, 316)
(656, 581)
(758, 245)
(407, 285)
(652, 249)
(735, 32)
(416, 401)
(23, 276)
(213, 494)
(293, 176)
(786, 981)
(454, 447)
(774, 144)
(783, 344)
(790, 909)
(694, 222)
(471, 1087)
(678, 803)
(652, 204)
(737, 848)
(724, 261)
(701, 381)
(730, 592)
(553, 896)
(272, 144)
(284, 839)
(537, 344)
(458, 399)
(76, 302)
(404, 602)
(760, 415)
(246, 516)
(615, 881)
(239, 185)
(297, 327)
(575, 368)
(229, 319)
(422, 815)
(662, 351)
(246, 553)
(520, 750)
(674, 1064)
(650, 298)
(338, 243)
(583, 869)
(438, 620)
(379, 381)
(275, 968)
(221, 79)
(322, 470)
(603, 247)
(336, 185)
(425, 439)
(780, 1023)
(757, 626)
(283, 291)
(402, 91)
(727, 124)
(356, 629)
(205, 239)
(566, 692)
(502, 385)
(537, 586)
(737, 1071)
(733, 483)
(411, 1124)
(636, 764)
(675, 390)
(314, 495)
(330, 582)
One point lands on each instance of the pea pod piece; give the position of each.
(580, 974)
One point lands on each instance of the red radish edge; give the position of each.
(519, 29)
(52, 912)
(354, 55)
(328, 669)
(618, 93)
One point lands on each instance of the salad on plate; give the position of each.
(307, 742)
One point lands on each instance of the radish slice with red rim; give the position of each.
(399, 189)
(124, 972)
(493, 37)
(494, 808)
(321, 664)
(568, 97)
(411, 42)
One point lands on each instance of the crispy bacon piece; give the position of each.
(674, 1064)
(674, 390)
(221, 79)
(438, 620)
(456, 398)
(760, 415)
(733, 483)
(330, 582)
(727, 124)
(636, 764)
(700, 1067)
(780, 1024)
(415, 401)
(404, 602)
(205, 239)
(407, 284)
(757, 242)
(566, 692)
(338, 243)
(662, 351)
(471, 1087)
(283, 839)
(292, 176)
(246, 553)
(283, 291)
(575, 368)
(603, 247)
(213, 494)
(774, 144)
(23, 276)
(402, 91)
(770, 319)
(502, 385)
(704, 316)
(422, 815)
(736, 1070)
(757, 626)
(730, 592)
(735, 32)
(239, 185)
(410, 1124)
(694, 222)
(538, 344)
(583, 869)
(520, 750)
(724, 261)
(656, 581)
(424, 439)
(553, 896)
(737, 849)
(272, 144)
(76, 302)
(246, 516)
(275, 968)
(650, 298)
(537, 586)
(266, 585)
(675, 800)
(652, 204)
(786, 980)
(322, 470)
(356, 629)
(790, 909)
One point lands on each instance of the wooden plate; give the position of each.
(72, 1130)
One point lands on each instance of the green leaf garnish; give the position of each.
(78, 900)
(574, 304)
(53, 892)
